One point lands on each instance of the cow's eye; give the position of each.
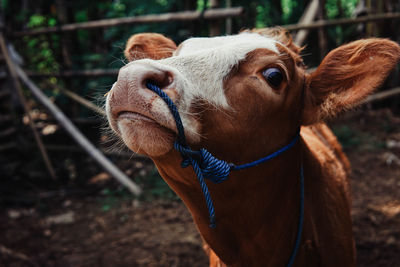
(273, 76)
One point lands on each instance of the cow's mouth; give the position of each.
(133, 116)
(143, 134)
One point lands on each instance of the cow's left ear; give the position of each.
(149, 45)
(346, 76)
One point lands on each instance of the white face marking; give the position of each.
(240, 43)
(205, 62)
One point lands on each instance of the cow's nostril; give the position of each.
(162, 80)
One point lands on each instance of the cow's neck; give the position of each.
(256, 209)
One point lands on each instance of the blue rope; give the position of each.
(205, 165)
(301, 219)
(174, 111)
(270, 156)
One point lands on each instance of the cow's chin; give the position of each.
(146, 137)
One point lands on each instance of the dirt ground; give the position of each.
(115, 230)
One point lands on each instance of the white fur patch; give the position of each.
(205, 62)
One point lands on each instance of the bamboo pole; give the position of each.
(77, 149)
(17, 255)
(106, 72)
(322, 36)
(82, 101)
(214, 24)
(100, 73)
(228, 21)
(211, 14)
(308, 16)
(382, 95)
(193, 15)
(77, 135)
(7, 132)
(8, 146)
(69, 73)
(335, 22)
(75, 73)
(18, 87)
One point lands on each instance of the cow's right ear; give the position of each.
(346, 76)
(149, 45)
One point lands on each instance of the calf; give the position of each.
(243, 97)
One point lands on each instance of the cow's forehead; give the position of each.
(203, 63)
(240, 44)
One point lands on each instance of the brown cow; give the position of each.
(243, 97)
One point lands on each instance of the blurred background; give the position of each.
(61, 207)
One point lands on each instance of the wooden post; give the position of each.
(307, 17)
(21, 96)
(322, 37)
(65, 43)
(214, 24)
(77, 135)
(370, 26)
(382, 95)
(211, 14)
(77, 98)
(192, 27)
(65, 39)
(228, 22)
(342, 21)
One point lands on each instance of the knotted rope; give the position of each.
(204, 163)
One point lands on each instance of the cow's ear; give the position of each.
(149, 45)
(346, 76)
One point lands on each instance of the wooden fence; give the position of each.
(17, 74)
(177, 16)
(212, 14)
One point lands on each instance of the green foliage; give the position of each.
(288, 8)
(340, 8)
(45, 55)
(201, 4)
(4, 4)
(81, 16)
(39, 52)
(103, 48)
(263, 18)
(155, 187)
(113, 198)
(347, 136)
(36, 21)
(351, 138)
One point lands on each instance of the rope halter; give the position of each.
(205, 165)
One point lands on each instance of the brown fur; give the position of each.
(282, 35)
(148, 45)
(257, 209)
(360, 66)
